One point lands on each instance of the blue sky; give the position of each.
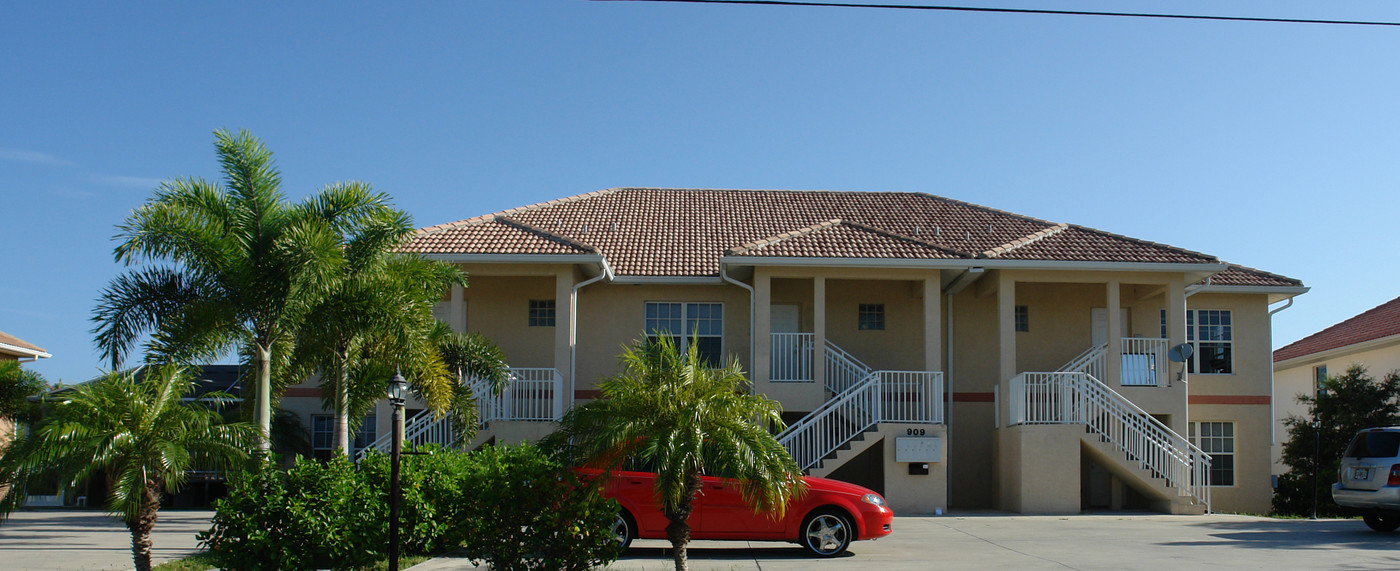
(1270, 145)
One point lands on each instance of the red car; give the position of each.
(825, 521)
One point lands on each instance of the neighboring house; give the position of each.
(15, 349)
(1370, 339)
(946, 354)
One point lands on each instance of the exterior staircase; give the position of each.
(531, 395)
(1117, 433)
(861, 399)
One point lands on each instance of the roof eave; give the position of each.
(593, 264)
(1203, 269)
(1275, 293)
(24, 352)
(1344, 350)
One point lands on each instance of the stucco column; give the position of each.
(1176, 335)
(457, 310)
(565, 335)
(1113, 368)
(762, 325)
(1006, 342)
(933, 325)
(819, 331)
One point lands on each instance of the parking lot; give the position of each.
(90, 540)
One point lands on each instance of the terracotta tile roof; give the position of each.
(1375, 323)
(841, 239)
(684, 232)
(1243, 276)
(8, 339)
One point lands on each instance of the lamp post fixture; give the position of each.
(1317, 449)
(397, 390)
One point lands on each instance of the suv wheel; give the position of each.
(1382, 522)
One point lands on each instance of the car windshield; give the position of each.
(1374, 445)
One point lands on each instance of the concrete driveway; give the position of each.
(82, 539)
(1110, 541)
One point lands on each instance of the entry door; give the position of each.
(1098, 319)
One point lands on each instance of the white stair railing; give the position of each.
(790, 357)
(1079, 398)
(1144, 362)
(843, 370)
(1093, 361)
(531, 394)
(883, 396)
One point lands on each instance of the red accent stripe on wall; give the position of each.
(1229, 399)
(974, 397)
(313, 392)
(587, 394)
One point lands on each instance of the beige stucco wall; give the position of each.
(1039, 468)
(499, 308)
(1295, 377)
(914, 494)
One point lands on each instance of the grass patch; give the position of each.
(202, 562)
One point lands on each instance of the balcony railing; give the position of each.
(883, 396)
(1144, 362)
(790, 357)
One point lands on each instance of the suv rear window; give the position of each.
(1374, 445)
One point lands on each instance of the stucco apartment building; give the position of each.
(1370, 339)
(15, 349)
(949, 355)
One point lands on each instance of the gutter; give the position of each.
(33, 354)
(573, 323)
(988, 263)
(723, 275)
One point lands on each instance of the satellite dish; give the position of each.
(1181, 353)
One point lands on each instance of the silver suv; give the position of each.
(1368, 478)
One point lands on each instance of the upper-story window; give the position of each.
(1319, 377)
(541, 313)
(681, 320)
(1023, 318)
(871, 316)
(323, 435)
(1211, 333)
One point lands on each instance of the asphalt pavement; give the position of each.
(89, 539)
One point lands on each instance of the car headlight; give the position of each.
(874, 499)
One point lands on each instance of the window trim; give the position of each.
(1192, 330)
(876, 311)
(1193, 432)
(535, 313)
(685, 318)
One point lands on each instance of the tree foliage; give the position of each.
(669, 409)
(1345, 404)
(140, 433)
(16, 386)
(231, 266)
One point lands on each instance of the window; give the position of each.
(1319, 376)
(323, 435)
(871, 317)
(1218, 440)
(680, 321)
(1023, 318)
(1210, 332)
(541, 313)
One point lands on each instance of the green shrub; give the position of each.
(513, 506)
(526, 511)
(314, 516)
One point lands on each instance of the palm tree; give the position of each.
(244, 266)
(469, 355)
(376, 317)
(672, 411)
(140, 433)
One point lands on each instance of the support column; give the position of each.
(1006, 341)
(565, 336)
(819, 331)
(933, 325)
(1176, 334)
(457, 309)
(762, 326)
(1113, 368)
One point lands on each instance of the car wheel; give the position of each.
(624, 530)
(1381, 523)
(826, 533)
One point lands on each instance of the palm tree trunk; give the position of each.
(678, 530)
(143, 524)
(263, 413)
(342, 407)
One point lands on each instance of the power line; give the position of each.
(1022, 11)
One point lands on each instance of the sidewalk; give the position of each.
(71, 540)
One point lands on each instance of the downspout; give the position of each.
(1273, 422)
(573, 325)
(948, 407)
(723, 275)
(1190, 291)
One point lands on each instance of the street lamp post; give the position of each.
(1317, 453)
(397, 389)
